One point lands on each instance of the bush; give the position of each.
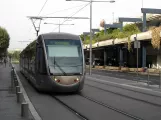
(128, 30)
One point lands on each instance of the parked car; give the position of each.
(97, 61)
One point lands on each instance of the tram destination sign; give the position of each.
(58, 42)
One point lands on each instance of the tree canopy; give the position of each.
(4, 40)
(30, 49)
(15, 55)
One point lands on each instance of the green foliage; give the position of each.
(9, 54)
(4, 38)
(15, 55)
(3, 52)
(15, 62)
(82, 37)
(128, 30)
(31, 46)
(30, 50)
(131, 28)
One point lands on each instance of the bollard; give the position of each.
(19, 97)
(13, 68)
(24, 110)
(12, 73)
(17, 89)
(160, 79)
(16, 83)
(12, 83)
(148, 78)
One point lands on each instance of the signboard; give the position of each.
(64, 42)
(136, 44)
(61, 43)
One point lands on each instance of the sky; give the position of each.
(13, 16)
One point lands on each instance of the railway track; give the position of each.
(124, 88)
(110, 107)
(157, 105)
(99, 103)
(71, 109)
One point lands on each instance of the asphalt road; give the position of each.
(138, 104)
(97, 101)
(128, 76)
(47, 107)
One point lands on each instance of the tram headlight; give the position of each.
(57, 80)
(76, 80)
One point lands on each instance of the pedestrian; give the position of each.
(5, 61)
(1, 61)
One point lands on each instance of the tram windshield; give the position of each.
(64, 57)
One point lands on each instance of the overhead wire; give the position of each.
(56, 11)
(40, 11)
(64, 10)
(42, 7)
(73, 14)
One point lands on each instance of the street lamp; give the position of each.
(111, 1)
(58, 24)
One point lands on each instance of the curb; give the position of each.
(124, 72)
(26, 104)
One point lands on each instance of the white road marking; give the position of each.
(106, 81)
(31, 107)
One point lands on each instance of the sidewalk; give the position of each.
(140, 73)
(9, 108)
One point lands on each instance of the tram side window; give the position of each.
(25, 63)
(27, 59)
(32, 61)
(41, 66)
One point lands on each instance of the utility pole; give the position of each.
(142, 3)
(113, 16)
(59, 26)
(90, 53)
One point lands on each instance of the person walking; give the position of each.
(1, 61)
(5, 61)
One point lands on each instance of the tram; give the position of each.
(54, 62)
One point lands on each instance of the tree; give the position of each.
(16, 55)
(4, 41)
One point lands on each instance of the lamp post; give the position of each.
(58, 24)
(111, 1)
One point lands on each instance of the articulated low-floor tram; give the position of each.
(54, 62)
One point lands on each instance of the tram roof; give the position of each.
(60, 35)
